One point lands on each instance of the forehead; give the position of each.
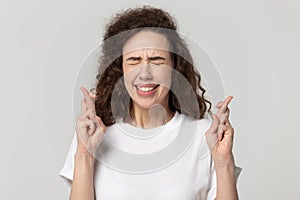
(146, 41)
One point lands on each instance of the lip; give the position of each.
(148, 93)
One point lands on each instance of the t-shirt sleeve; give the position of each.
(66, 173)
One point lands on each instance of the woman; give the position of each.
(145, 99)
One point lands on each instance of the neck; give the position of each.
(153, 117)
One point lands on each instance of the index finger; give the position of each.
(224, 105)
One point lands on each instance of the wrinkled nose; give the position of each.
(145, 72)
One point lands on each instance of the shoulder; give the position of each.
(202, 124)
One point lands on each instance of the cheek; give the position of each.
(164, 76)
(129, 77)
(127, 81)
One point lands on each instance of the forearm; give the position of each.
(83, 181)
(226, 185)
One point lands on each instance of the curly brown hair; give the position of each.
(110, 75)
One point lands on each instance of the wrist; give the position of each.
(82, 149)
(224, 162)
(228, 167)
(83, 156)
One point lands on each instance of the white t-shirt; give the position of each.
(170, 162)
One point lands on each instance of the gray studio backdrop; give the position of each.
(254, 43)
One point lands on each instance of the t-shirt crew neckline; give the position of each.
(141, 133)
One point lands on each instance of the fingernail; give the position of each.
(93, 91)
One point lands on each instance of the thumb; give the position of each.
(100, 124)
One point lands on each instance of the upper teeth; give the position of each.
(145, 89)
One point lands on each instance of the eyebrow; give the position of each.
(150, 58)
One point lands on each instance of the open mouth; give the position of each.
(146, 89)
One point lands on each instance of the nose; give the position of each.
(145, 72)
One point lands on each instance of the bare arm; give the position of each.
(83, 183)
(220, 141)
(226, 185)
(90, 131)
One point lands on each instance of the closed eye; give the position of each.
(133, 60)
(157, 60)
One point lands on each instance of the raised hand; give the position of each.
(220, 134)
(89, 127)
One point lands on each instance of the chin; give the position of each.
(147, 103)
(144, 103)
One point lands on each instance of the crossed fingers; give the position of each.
(220, 122)
(223, 110)
(87, 104)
